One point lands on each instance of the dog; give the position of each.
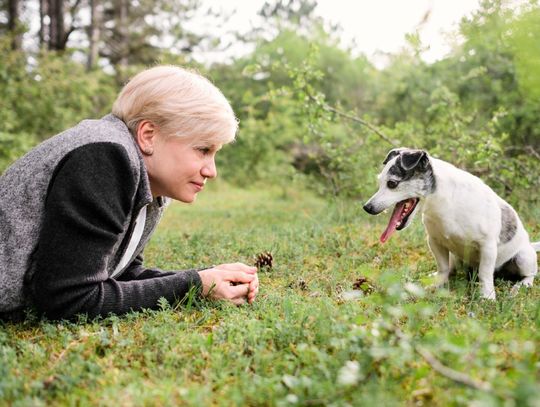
(465, 220)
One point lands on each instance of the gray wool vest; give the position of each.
(23, 191)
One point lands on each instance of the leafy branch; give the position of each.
(355, 119)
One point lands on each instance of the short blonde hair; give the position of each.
(180, 102)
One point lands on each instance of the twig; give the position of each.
(526, 149)
(447, 372)
(354, 119)
(452, 374)
(362, 122)
(531, 150)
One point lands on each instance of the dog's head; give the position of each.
(406, 177)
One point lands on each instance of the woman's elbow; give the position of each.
(56, 304)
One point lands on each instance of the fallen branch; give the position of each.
(452, 374)
(447, 372)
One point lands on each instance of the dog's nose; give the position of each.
(369, 209)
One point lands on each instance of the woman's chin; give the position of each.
(186, 198)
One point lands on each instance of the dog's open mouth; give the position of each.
(398, 220)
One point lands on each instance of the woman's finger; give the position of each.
(239, 291)
(253, 286)
(239, 301)
(252, 295)
(238, 267)
(253, 291)
(239, 277)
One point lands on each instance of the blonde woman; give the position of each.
(77, 211)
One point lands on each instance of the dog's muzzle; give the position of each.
(370, 209)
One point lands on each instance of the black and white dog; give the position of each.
(464, 219)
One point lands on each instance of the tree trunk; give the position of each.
(94, 33)
(43, 27)
(14, 24)
(53, 25)
(122, 27)
(60, 31)
(57, 33)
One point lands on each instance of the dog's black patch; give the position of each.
(413, 159)
(423, 172)
(392, 153)
(398, 171)
(508, 224)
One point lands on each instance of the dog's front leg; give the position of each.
(441, 255)
(488, 259)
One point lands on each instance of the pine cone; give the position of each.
(300, 283)
(263, 260)
(363, 284)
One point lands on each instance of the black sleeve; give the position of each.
(136, 271)
(89, 199)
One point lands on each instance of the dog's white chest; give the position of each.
(454, 234)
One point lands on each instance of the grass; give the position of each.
(304, 341)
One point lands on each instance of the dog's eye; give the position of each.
(392, 184)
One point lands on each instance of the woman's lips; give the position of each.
(198, 186)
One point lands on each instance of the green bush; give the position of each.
(12, 146)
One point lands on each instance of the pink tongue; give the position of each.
(394, 221)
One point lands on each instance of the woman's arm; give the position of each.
(137, 271)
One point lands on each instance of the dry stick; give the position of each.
(452, 374)
(447, 372)
(528, 148)
(531, 150)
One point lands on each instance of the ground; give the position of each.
(340, 320)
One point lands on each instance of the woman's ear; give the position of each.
(146, 136)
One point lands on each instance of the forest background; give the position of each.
(309, 108)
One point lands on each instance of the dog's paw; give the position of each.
(440, 282)
(489, 296)
(431, 288)
(518, 286)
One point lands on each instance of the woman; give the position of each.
(77, 211)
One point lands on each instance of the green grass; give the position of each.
(296, 343)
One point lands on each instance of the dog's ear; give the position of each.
(392, 153)
(414, 159)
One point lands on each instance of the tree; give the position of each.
(14, 24)
(94, 33)
(54, 33)
(10, 22)
(138, 35)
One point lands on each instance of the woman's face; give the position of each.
(178, 168)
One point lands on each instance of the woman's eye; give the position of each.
(204, 150)
(392, 184)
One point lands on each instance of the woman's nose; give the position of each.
(209, 170)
